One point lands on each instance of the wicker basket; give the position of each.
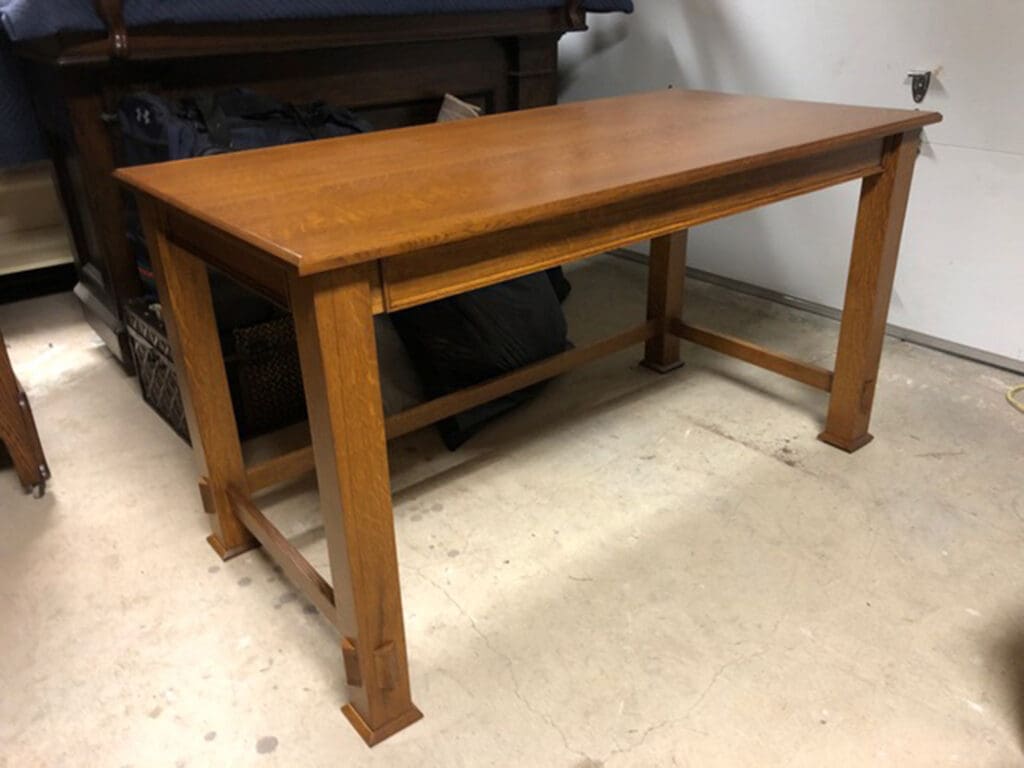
(262, 366)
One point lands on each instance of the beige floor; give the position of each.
(634, 571)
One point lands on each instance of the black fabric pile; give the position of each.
(466, 339)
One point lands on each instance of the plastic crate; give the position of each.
(262, 367)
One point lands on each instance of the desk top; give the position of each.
(337, 202)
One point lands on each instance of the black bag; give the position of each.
(466, 339)
(155, 130)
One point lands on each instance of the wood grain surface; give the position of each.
(322, 205)
(183, 284)
(876, 245)
(337, 348)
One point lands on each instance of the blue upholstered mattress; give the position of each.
(30, 19)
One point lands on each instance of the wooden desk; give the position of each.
(340, 230)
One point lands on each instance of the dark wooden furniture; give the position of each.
(392, 69)
(431, 211)
(18, 430)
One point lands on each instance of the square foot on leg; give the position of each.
(376, 736)
(659, 368)
(849, 446)
(226, 554)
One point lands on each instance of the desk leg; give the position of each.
(338, 351)
(666, 277)
(183, 285)
(883, 205)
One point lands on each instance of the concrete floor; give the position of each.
(636, 570)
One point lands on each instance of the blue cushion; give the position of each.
(19, 137)
(29, 19)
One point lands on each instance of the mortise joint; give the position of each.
(867, 394)
(351, 657)
(385, 665)
(385, 662)
(207, 496)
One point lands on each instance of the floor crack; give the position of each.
(510, 665)
(546, 718)
(676, 721)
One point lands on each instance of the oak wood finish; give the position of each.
(262, 274)
(666, 276)
(876, 243)
(296, 567)
(18, 429)
(444, 270)
(811, 375)
(338, 352)
(465, 179)
(184, 288)
(280, 469)
(403, 233)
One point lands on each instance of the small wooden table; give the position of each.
(341, 230)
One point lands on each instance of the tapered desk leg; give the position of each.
(666, 276)
(183, 285)
(338, 352)
(883, 205)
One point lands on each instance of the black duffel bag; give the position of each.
(155, 130)
(475, 336)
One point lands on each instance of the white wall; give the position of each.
(961, 273)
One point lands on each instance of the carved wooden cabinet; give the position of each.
(394, 70)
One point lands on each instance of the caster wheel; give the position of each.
(38, 490)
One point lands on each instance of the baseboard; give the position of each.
(19, 286)
(897, 332)
(34, 249)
